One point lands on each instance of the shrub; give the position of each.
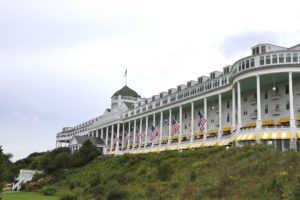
(117, 194)
(165, 172)
(68, 196)
(48, 191)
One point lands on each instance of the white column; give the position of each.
(141, 131)
(220, 117)
(258, 120)
(123, 136)
(239, 105)
(155, 127)
(134, 133)
(205, 114)
(111, 137)
(161, 128)
(192, 123)
(180, 127)
(101, 135)
(170, 124)
(128, 143)
(233, 125)
(146, 133)
(291, 96)
(106, 138)
(118, 136)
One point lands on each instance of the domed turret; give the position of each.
(126, 91)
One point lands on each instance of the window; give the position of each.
(227, 104)
(253, 51)
(281, 58)
(266, 108)
(252, 62)
(268, 59)
(247, 64)
(263, 49)
(257, 50)
(287, 106)
(240, 67)
(245, 98)
(228, 117)
(287, 89)
(212, 120)
(274, 59)
(261, 60)
(277, 108)
(288, 57)
(295, 57)
(185, 116)
(245, 112)
(185, 126)
(266, 94)
(243, 65)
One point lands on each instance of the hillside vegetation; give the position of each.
(252, 172)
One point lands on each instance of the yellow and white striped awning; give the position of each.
(184, 146)
(244, 137)
(298, 135)
(224, 143)
(212, 131)
(226, 129)
(275, 135)
(161, 149)
(172, 148)
(196, 145)
(298, 118)
(198, 133)
(250, 125)
(210, 144)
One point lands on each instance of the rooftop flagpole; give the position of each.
(125, 75)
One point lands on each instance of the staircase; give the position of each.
(17, 186)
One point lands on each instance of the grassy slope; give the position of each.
(26, 196)
(256, 172)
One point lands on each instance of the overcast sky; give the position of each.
(60, 61)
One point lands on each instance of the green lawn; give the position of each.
(25, 196)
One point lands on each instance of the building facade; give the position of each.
(255, 100)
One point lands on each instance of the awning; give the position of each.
(283, 120)
(298, 118)
(223, 143)
(175, 137)
(197, 145)
(272, 135)
(298, 135)
(172, 148)
(184, 146)
(226, 129)
(165, 139)
(161, 149)
(268, 122)
(199, 133)
(245, 137)
(212, 131)
(250, 125)
(210, 144)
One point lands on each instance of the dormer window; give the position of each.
(153, 98)
(189, 84)
(212, 76)
(161, 95)
(169, 91)
(200, 80)
(257, 50)
(178, 88)
(263, 49)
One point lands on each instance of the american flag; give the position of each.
(138, 135)
(115, 141)
(175, 126)
(126, 138)
(202, 121)
(154, 132)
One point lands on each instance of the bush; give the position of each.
(48, 191)
(165, 172)
(117, 194)
(68, 196)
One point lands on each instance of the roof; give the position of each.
(95, 141)
(126, 91)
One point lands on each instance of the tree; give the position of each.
(87, 152)
(5, 165)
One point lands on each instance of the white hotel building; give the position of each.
(255, 100)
